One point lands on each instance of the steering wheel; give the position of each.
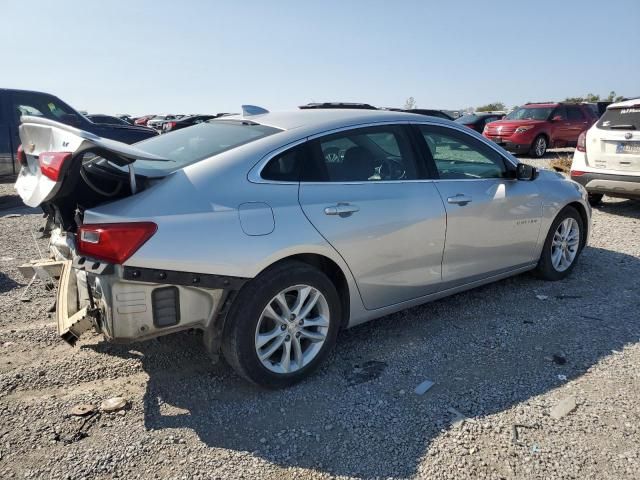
(391, 169)
(332, 155)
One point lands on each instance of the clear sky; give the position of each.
(182, 56)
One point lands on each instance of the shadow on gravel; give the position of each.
(7, 283)
(626, 208)
(487, 350)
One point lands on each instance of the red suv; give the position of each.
(537, 126)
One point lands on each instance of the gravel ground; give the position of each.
(501, 356)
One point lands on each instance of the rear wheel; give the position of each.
(595, 199)
(282, 325)
(562, 246)
(539, 147)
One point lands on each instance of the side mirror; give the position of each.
(526, 172)
(557, 118)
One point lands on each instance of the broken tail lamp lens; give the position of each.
(21, 157)
(51, 163)
(113, 242)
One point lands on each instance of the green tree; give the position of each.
(491, 107)
(410, 103)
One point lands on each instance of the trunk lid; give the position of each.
(40, 135)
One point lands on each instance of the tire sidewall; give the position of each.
(545, 265)
(534, 144)
(250, 303)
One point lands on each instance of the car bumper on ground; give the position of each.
(625, 186)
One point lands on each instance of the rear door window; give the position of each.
(574, 114)
(284, 167)
(559, 112)
(371, 154)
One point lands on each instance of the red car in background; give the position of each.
(535, 127)
(143, 120)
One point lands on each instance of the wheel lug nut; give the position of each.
(283, 327)
(292, 316)
(297, 334)
(301, 322)
(287, 338)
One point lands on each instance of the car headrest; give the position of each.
(357, 164)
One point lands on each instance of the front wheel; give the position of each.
(562, 246)
(282, 325)
(539, 147)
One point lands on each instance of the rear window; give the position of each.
(190, 145)
(627, 118)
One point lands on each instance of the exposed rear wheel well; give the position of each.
(331, 270)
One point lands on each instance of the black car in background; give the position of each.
(477, 121)
(424, 111)
(177, 124)
(15, 103)
(106, 119)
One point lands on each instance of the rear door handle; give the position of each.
(342, 209)
(459, 199)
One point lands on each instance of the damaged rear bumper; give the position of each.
(129, 304)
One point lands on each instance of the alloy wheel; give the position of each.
(292, 329)
(541, 146)
(565, 244)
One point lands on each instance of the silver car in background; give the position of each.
(270, 232)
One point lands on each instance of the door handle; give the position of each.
(341, 209)
(459, 199)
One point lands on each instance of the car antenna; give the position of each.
(248, 110)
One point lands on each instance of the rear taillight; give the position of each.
(21, 157)
(51, 163)
(582, 142)
(169, 126)
(577, 173)
(113, 242)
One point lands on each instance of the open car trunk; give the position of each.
(66, 170)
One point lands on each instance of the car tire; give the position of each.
(595, 199)
(561, 247)
(251, 321)
(539, 147)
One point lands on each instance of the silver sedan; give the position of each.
(271, 232)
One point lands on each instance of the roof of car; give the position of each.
(541, 104)
(633, 102)
(288, 120)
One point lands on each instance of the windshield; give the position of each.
(468, 119)
(529, 113)
(190, 145)
(627, 118)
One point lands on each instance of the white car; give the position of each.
(607, 158)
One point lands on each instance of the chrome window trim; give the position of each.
(255, 174)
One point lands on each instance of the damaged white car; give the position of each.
(272, 231)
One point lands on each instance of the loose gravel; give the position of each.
(503, 358)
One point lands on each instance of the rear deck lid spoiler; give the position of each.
(39, 135)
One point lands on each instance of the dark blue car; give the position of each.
(15, 103)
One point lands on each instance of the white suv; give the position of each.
(607, 158)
